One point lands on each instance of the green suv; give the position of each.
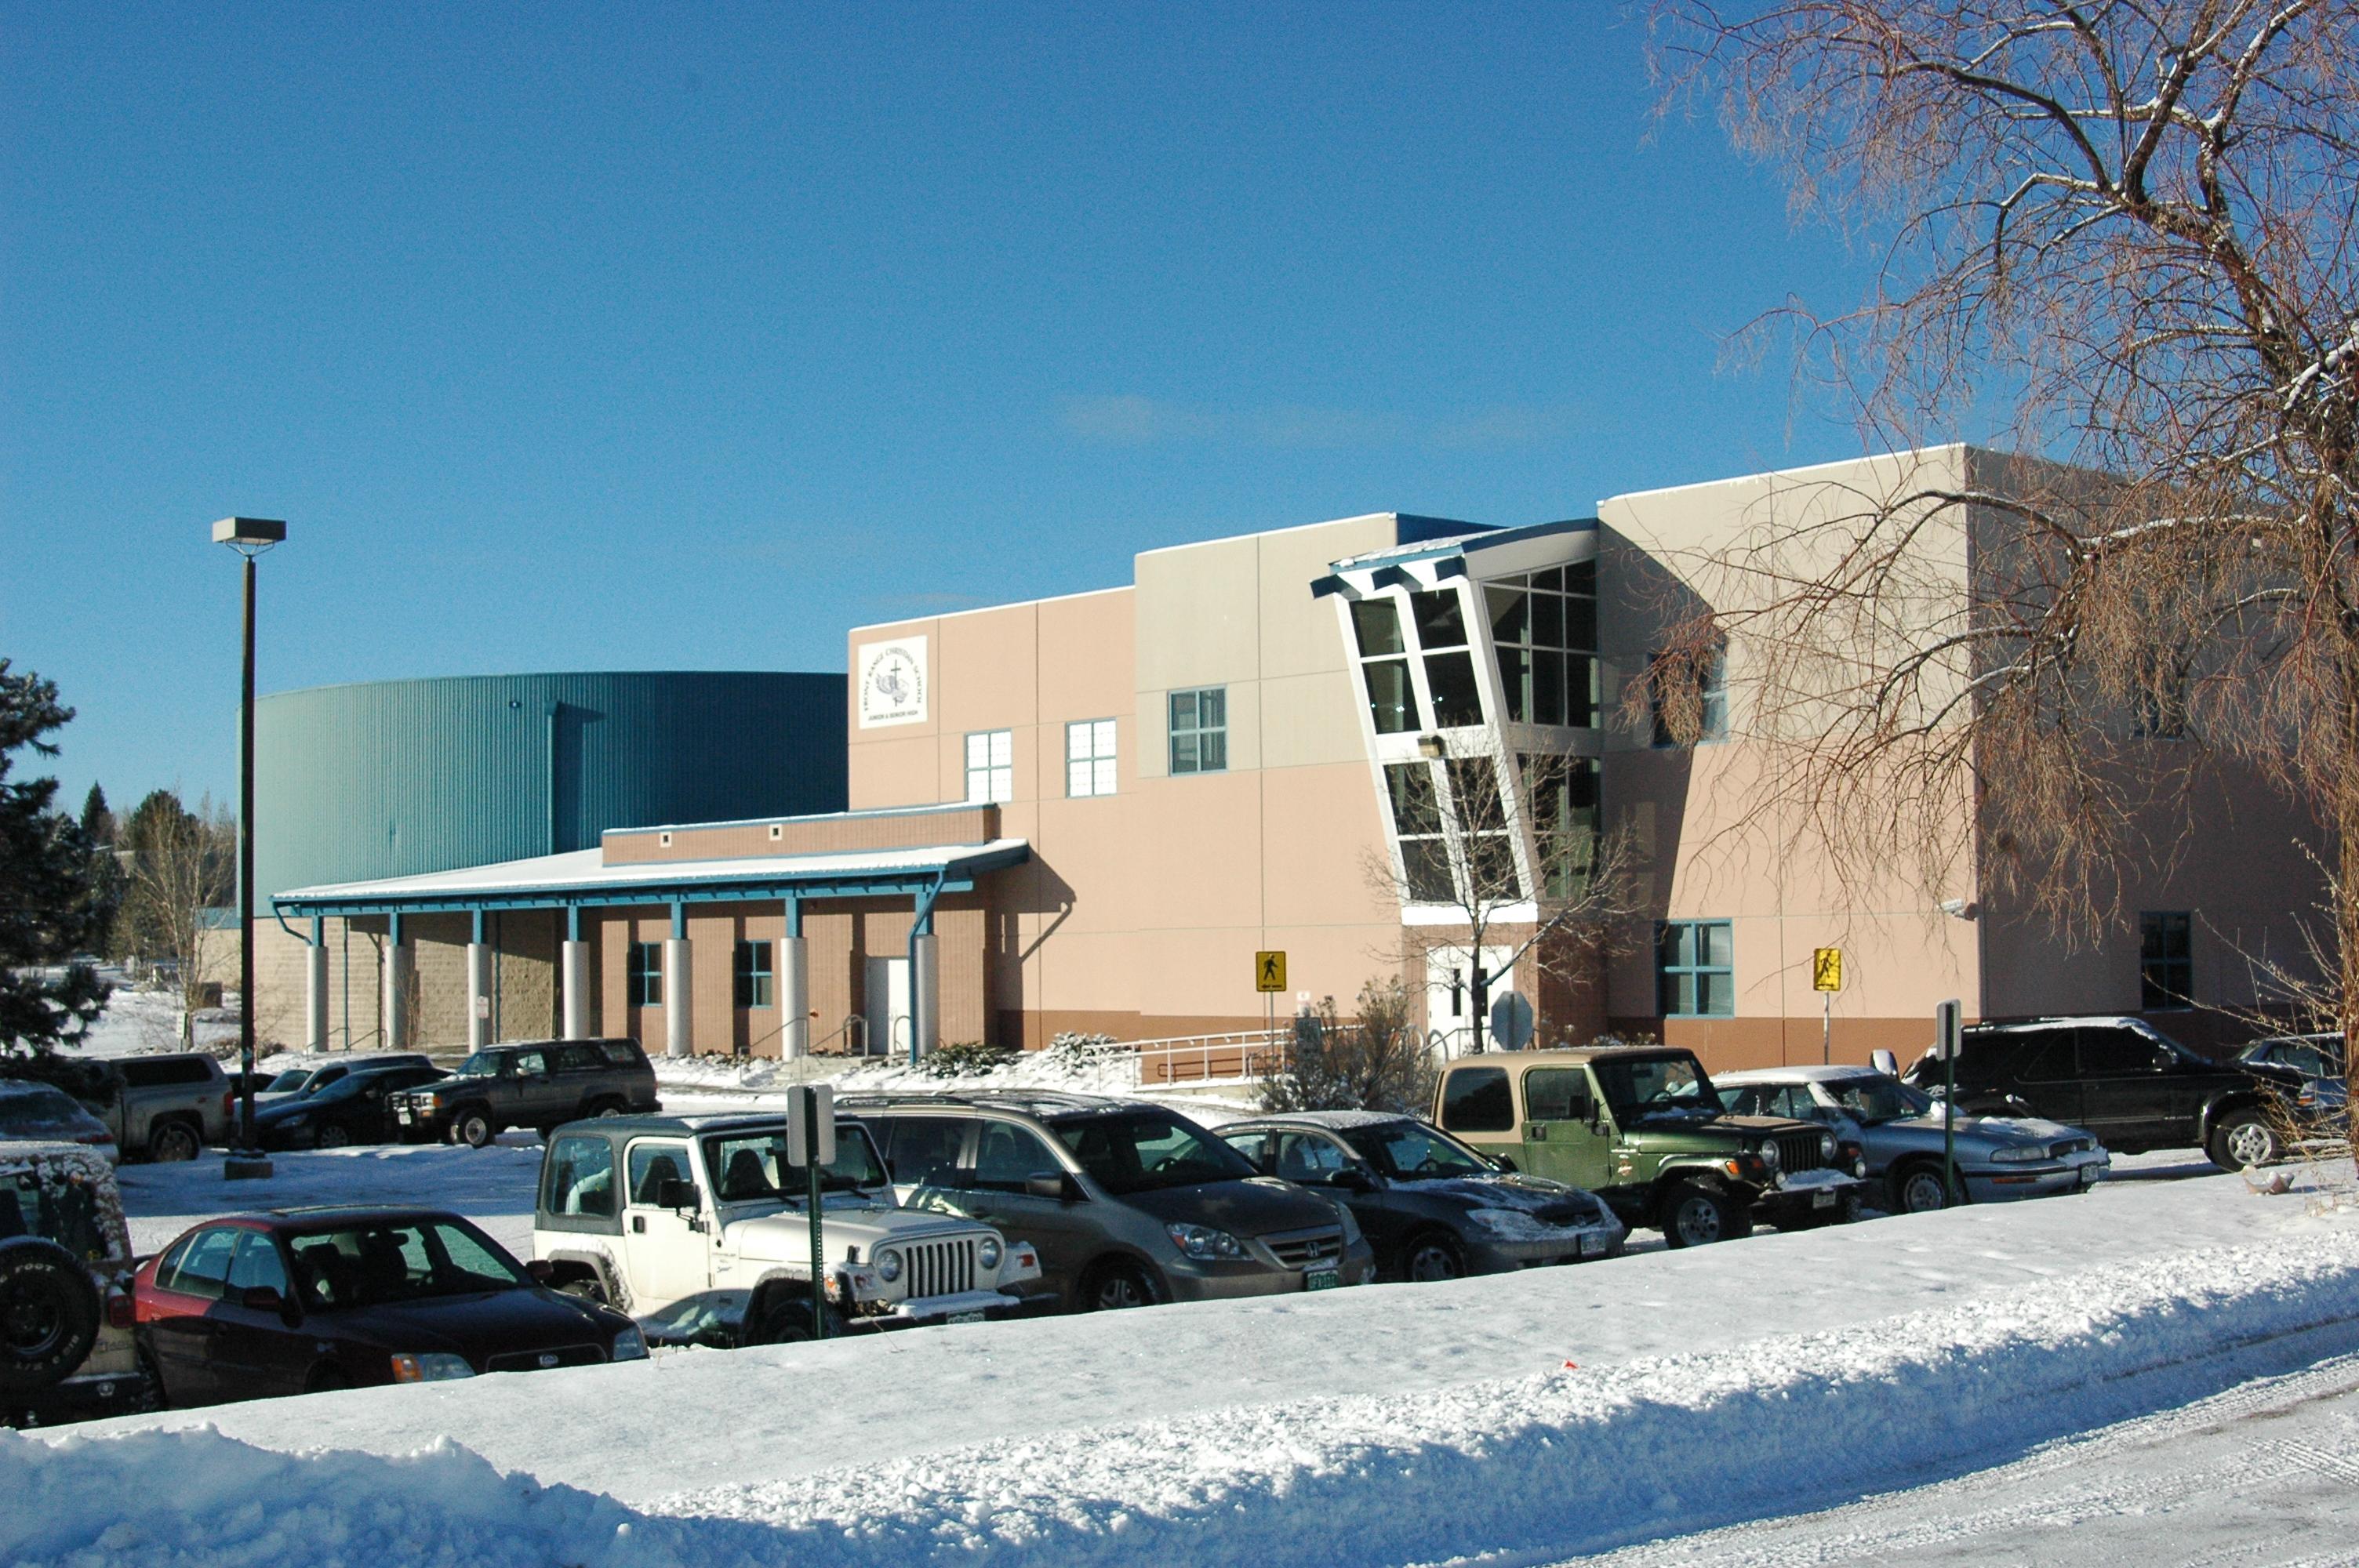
(1642, 1128)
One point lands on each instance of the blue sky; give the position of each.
(620, 337)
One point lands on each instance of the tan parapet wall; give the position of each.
(890, 830)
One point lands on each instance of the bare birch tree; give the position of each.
(182, 863)
(2128, 223)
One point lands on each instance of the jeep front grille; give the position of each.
(1799, 1152)
(1306, 1248)
(938, 1268)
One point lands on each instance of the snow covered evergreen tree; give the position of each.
(46, 914)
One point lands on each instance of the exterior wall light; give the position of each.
(1431, 746)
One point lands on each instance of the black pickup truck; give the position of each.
(539, 1084)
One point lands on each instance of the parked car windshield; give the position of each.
(1879, 1099)
(1643, 1087)
(286, 1083)
(481, 1064)
(66, 1212)
(1140, 1152)
(1411, 1152)
(374, 1265)
(752, 1167)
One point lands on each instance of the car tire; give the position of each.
(1917, 1189)
(603, 1108)
(49, 1314)
(785, 1319)
(172, 1142)
(474, 1128)
(1432, 1255)
(592, 1290)
(1697, 1216)
(157, 1398)
(1115, 1287)
(333, 1135)
(2244, 1138)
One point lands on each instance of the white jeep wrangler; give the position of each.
(67, 1349)
(700, 1228)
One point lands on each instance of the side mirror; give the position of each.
(1056, 1185)
(1503, 1163)
(267, 1298)
(1884, 1062)
(1352, 1179)
(541, 1269)
(676, 1192)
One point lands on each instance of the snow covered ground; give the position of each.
(136, 1022)
(1774, 1391)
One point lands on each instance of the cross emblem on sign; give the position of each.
(1269, 970)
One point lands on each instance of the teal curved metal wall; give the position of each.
(394, 778)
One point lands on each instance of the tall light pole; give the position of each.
(249, 536)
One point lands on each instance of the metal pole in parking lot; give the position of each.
(810, 1139)
(1947, 1035)
(249, 536)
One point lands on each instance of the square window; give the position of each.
(1376, 622)
(991, 766)
(1457, 702)
(1090, 757)
(1695, 967)
(1199, 730)
(1392, 705)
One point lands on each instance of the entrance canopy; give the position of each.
(585, 877)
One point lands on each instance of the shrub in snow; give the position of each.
(964, 1059)
(1375, 1062)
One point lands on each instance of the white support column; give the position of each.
(577, 989)
(479, 996)
(679, 1038)
(396, 996)
(794, 996)
(315, 995)
(925, 994)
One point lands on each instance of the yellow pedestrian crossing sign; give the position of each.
(1269, 970)
(1826, 969)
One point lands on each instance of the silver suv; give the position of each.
(1128, 1202)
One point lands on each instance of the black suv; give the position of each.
(539, 1084)
(2132, 1085)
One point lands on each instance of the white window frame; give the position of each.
(990, 767)
(1090, 751)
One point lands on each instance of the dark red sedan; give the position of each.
(297, 1300)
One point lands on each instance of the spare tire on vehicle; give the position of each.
(48, 1314)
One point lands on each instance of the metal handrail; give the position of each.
(854, 1023)
(1256, 1050)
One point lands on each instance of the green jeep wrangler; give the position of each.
(1642, 1128)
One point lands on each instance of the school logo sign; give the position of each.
(893, 683)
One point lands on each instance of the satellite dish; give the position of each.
(1511, 1021)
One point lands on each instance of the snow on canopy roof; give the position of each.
(586, 870)
(1474, 538)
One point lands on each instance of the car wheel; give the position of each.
(473, 1128)
(172, 1142)
(1112, 1287)
(1696, 1216)
(1433, 1256)
(2244, 1138)
(605, 1109)
(785, 1320)
(1919, 1190)
(156, 1397)
(49, 1314)
(333, 1135)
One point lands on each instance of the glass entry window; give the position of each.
(1544, 628)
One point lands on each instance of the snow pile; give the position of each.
(1541, 1467)
(139, 1022)
(1105, 1071)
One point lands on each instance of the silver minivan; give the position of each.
(1127, 1203)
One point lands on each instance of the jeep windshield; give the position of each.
(752, 1167)
(1874, 1100)
(1657, 1088)
(1145, 1150)
(63, 1210)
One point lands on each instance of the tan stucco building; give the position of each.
(1092, 813)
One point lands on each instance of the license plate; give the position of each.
(1593, 1245)
(1321, 1280)
(1822, 1198)
(2089, 1175)
(964, 1317)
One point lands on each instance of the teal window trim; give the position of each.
(1695, 967)
(751, 976)
(643, 982)
(1200, 729)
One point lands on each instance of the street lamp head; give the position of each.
(249, 535)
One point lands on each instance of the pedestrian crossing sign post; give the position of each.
(1269, 970)
(1826, 979)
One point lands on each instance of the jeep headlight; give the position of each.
(986, 1253)
(1205, 1244)
(430, 1366)
(888, 1264)
(629, 1345)
(2018, 1154)
(1767, 1154)
(1826, 1145)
